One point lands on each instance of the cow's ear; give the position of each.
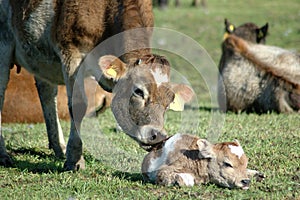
(112, 67)
(205, 149)
(229, 28)
(183, 94)
(261, 33)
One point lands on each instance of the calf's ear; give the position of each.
(183, 94)
(205, 149)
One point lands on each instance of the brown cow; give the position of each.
(187, 160)
(22, 104)
(52, 38)
(257, 77)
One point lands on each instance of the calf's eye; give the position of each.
(226, 164)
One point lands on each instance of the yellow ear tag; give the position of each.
(231, 27)
(111, 72)
(177, 104)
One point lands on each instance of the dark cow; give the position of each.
(257, 77)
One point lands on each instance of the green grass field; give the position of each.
(271, 141)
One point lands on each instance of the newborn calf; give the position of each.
(187, 160)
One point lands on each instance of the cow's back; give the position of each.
(246, 87)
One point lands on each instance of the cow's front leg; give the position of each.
(77, 107)
(6, 52)
(47, 94)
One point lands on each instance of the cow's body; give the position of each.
(256, 77)
(187, 160)
(22, 103)
(50, 38)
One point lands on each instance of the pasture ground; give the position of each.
(271, 141)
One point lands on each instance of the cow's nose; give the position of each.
(246, 182)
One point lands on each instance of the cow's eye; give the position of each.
(226, 164)
(138, 92)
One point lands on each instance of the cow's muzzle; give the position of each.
(150, 137)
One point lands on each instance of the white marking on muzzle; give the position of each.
(237, 150)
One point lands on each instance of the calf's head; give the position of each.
(142, 94)
(248, 31)
(227, 165)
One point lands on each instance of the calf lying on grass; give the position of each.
(187, 160)
(257, 77)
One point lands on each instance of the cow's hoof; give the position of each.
(71, 166)
(6, 161)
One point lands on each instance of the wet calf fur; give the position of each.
(187, 160)
(255, 77)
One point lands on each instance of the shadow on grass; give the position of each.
(133, 177)
(43, 162)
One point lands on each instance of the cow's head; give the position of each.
(248, 31)
(227, 163)
(142, 94)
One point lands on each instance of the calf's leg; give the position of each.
(167, 176)
(47, 94)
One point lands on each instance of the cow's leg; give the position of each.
(77, 107)
(5, 160)
(6, 49)
(47, 94)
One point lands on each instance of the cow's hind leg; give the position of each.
(47, 94)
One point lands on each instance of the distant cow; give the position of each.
(22, 103)
(257, 77)
(52, 38)
(186, 160)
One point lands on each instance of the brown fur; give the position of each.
(22, 103)
(256, 77)
(200, 160)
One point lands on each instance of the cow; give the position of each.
(53, 38)
(255, 77)
(22, 104)
(187, 160)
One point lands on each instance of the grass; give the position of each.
(271, 141)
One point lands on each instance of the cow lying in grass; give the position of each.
(257, 77)
(187, 160)
(22, 104)
(52, 39)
